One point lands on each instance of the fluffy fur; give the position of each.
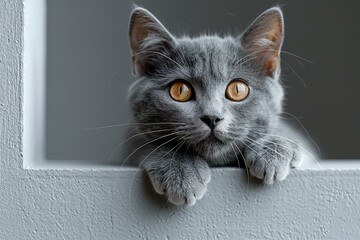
(180, 147)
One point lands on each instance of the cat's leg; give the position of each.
(270, 159)
(181, 177)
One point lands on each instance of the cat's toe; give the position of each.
(188, 197)
(257, 170)
(269, 173)
(184, 185)
(159, 187)
(271, 163)
(203, 170)
(176, 199)
(187, 192)
(281, 174)
(298, 157)
(269, 176)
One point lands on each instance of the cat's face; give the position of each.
(206, 92)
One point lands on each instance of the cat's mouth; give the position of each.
(214, 137)
(206, 136)
(212, 146)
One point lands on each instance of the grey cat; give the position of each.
(209, 101)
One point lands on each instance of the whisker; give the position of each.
(235, 16)
(113, 74)
(147, 143)
(311, 157)
(172, 139)
(161, 54)
(187, 148)
(118, 67)
(246, 166)
(265, 50)
(242, 63)
(139, 167)
(260, 155)
(225, 159)
(128, 124)
(285, 118)
(178, 147)
(300, 63)
(303, 127)
(297, 144)
(134, 130)
(133, 136)
(182, 143)
(256, 142)
(144, 161)
(296, 74)
(294, 55)
(237, 159)
(170, 150)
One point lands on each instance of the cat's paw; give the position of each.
(181, 183)
(272, 160)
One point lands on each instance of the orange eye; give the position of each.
(237, 91)
(180, 91)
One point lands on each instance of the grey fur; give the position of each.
(178, 162)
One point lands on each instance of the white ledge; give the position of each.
(329, 164)
(121, 204)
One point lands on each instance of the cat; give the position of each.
(209, 101)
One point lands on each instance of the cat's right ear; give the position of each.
(264, 38)
(148, 38)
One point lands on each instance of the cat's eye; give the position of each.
(237, 90)
(180, 91)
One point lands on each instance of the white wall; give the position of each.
(117, 204)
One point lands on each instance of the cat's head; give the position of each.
(207, 91)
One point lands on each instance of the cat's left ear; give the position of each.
(148, 39)
(264, 38)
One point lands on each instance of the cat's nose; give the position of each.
(211, 121)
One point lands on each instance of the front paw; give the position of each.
(181, 182)
(271, 160)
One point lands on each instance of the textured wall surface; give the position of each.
(119, 204)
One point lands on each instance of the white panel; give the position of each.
(34, 82)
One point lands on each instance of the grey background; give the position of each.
(89, 71)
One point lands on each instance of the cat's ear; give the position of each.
(263, 39)
(147, 37)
